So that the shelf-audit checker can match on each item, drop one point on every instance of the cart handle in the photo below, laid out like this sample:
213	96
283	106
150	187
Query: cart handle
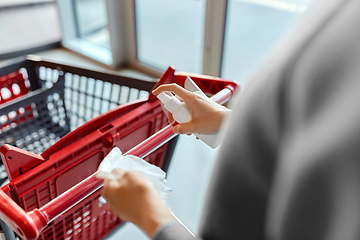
29	225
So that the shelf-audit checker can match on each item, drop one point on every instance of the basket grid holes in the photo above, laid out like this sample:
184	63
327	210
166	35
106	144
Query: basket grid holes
48	76
11	89
45	124
86	98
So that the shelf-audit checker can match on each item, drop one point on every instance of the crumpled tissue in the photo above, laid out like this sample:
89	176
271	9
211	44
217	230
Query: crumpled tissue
115	159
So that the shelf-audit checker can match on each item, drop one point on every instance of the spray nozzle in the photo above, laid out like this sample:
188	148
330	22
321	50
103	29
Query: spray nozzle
164	98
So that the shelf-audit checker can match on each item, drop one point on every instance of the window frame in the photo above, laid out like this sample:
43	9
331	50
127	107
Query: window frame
215	25
72	40
123	39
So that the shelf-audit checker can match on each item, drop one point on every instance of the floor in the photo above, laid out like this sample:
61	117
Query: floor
27	26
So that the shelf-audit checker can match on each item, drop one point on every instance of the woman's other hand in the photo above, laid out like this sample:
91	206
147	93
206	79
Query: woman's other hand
134	198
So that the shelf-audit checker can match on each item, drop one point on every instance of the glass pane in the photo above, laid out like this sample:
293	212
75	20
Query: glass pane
253	27
171	33
92	21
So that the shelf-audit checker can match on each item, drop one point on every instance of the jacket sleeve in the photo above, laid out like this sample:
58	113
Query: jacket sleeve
316	191
289	167
173	231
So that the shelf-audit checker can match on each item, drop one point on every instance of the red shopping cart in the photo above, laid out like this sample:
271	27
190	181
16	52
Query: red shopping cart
55	195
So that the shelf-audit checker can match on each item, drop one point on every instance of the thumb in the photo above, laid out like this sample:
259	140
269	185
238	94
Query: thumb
118	173
183	128
171	119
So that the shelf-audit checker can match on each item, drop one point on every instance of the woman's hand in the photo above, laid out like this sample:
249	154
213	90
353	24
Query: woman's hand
206	114
135	199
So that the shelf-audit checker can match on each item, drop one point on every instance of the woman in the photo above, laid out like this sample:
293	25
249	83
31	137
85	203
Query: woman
289	167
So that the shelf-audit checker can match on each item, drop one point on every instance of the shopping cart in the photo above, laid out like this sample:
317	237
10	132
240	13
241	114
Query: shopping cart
46	100
56	195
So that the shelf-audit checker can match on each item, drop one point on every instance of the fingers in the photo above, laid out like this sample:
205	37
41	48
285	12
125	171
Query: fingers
184	128
206	115
171	119
109	185
118	173
107	189
134	198
181	92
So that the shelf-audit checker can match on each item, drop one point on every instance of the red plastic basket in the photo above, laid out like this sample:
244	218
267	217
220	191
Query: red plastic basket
14	84
55	195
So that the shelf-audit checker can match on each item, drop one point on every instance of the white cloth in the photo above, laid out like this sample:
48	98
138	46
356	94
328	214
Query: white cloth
115	159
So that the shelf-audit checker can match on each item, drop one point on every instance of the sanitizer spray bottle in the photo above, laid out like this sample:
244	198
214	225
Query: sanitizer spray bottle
182	115
178	109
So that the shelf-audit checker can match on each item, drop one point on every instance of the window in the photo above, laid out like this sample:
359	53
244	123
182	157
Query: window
253	28
92	23
170	33
227	38
85	28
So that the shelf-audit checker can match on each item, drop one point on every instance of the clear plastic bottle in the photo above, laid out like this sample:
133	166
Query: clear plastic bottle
182	115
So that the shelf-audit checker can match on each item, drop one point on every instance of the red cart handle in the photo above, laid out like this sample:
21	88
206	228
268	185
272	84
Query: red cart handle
29	225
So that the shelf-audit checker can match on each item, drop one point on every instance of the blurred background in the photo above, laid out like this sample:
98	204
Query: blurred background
141	38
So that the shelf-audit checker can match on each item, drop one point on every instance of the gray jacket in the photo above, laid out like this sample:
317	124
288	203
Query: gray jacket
290	166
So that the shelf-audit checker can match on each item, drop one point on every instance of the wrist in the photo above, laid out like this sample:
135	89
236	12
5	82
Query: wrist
152	220
221	116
